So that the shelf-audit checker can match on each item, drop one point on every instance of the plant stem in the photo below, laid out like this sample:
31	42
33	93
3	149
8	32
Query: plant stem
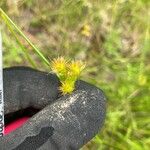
5	17
22	47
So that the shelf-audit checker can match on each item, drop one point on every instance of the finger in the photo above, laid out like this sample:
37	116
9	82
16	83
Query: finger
25	87
66	124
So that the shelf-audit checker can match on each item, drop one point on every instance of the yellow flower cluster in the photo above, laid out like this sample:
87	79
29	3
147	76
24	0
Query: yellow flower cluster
68	72
59	66
142	79
86	30
66	87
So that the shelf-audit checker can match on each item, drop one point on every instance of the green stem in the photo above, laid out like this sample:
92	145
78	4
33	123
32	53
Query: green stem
19	43
4	15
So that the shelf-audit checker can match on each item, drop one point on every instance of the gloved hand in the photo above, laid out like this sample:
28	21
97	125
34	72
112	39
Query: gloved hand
56	122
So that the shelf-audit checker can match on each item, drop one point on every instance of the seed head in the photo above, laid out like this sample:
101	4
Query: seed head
67	72
66	87
75	68
58	65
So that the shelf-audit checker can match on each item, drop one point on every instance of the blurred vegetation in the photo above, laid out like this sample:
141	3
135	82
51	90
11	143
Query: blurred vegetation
113	37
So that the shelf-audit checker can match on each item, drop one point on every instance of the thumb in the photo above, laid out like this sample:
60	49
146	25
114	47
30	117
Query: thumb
68	123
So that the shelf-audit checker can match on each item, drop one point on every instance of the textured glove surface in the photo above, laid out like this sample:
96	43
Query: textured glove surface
62	122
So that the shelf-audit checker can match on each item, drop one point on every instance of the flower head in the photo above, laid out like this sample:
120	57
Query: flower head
86	30
67	72
76	68
66	87
58	66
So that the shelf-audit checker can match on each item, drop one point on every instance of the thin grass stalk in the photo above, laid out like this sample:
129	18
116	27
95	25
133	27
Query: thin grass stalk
4	15
22	47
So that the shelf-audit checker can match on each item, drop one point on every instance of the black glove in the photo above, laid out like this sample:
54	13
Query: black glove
57	122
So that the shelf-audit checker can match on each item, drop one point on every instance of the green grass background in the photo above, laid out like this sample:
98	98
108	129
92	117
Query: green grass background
113	37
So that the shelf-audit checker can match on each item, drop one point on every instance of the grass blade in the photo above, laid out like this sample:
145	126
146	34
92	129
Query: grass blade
5	17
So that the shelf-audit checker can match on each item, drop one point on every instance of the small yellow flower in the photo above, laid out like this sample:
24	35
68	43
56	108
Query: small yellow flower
75	68
142	79
58	65
66	87
86	30
67	72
